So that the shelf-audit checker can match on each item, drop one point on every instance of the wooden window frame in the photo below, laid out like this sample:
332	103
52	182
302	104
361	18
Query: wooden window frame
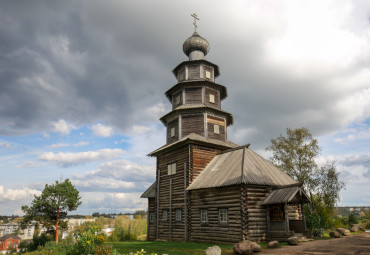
151	217
281	214
165	213
220	213
171	169
216	129
172	132
177	213
212	98
202	216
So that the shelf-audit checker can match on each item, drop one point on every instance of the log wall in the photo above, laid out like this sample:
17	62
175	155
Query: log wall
173	124
192	124
216	94
213	200
256	216
171	194
151	225
200	157
193	95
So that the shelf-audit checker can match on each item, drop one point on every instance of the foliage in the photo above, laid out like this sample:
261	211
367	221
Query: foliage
89	241
126	229
52	205
37	241
295	154
352	219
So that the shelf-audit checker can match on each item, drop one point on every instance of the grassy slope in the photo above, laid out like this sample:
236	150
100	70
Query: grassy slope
171	248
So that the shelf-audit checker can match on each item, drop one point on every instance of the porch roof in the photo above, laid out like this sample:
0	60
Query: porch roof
286	195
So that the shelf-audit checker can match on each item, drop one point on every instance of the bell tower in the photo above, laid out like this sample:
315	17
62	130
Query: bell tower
196	98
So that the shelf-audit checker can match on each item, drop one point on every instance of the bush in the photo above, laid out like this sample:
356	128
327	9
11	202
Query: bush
37	241
352	219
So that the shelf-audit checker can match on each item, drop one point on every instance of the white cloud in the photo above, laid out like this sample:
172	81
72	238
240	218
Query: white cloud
101	130
27	164
17	194
62	127
6	145
69	159
61	145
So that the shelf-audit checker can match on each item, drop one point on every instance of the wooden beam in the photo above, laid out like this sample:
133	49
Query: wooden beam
171	209
185	206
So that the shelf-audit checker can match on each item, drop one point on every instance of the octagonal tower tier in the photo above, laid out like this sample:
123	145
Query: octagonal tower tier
196	98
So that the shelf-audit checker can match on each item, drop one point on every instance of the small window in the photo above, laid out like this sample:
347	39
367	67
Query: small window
211	98
222	216
177	100
178	214
171	168
216	129
208	74
165	215
204	215
151	216
172	132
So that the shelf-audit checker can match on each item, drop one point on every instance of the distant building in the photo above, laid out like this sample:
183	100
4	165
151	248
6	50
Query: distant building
9	242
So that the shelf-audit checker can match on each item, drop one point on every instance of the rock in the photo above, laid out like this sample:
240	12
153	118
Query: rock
244	247
344	232
214	250
293	240
354	228
359	226
335	234
273	244
256	247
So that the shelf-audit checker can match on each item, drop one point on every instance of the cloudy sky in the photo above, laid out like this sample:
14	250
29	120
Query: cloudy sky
82	83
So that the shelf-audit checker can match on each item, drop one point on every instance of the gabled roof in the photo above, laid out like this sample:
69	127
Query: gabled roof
196	138
6	237
286	195
240	165
150	192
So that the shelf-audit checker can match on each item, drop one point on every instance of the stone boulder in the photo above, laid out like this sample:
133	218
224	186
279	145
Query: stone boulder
359	227
244	247
214	250
343	231
354	228
293	240
256	247
334	234
273	244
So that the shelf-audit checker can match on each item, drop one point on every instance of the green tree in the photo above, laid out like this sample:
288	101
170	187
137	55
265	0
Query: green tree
52	205
295	154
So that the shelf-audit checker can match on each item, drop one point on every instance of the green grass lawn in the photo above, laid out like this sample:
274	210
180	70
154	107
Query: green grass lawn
171	248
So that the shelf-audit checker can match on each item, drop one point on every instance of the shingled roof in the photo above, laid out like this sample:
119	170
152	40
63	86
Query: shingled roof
196	138
6	237
150	192
286	195
241	165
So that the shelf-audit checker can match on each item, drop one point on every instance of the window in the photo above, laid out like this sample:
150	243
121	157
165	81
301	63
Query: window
165	215
204	215
178	214
211	98
222	216
216	129
276	214
177	100
208	74
151	216
172	132
171	168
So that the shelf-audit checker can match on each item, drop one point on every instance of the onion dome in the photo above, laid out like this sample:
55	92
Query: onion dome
196	44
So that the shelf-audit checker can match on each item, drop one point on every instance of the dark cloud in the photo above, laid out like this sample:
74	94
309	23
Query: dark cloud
110	62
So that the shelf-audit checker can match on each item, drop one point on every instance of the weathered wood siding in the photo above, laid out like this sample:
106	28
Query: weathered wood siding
193	95
174	98
294	212
200	157
170	125
213	200
192	124
209	69
216	95
193	72
151	225
171	193
256	216
213	120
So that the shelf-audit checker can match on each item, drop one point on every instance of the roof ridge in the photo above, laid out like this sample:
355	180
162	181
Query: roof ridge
235	149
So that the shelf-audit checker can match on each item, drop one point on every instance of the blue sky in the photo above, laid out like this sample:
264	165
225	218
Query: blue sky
82	88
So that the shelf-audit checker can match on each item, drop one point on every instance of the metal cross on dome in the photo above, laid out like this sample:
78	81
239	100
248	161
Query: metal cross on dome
194	15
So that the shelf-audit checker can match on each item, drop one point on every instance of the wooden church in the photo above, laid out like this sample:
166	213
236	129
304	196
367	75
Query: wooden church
207	188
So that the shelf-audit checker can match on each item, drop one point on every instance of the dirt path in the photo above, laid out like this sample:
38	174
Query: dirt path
356	245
